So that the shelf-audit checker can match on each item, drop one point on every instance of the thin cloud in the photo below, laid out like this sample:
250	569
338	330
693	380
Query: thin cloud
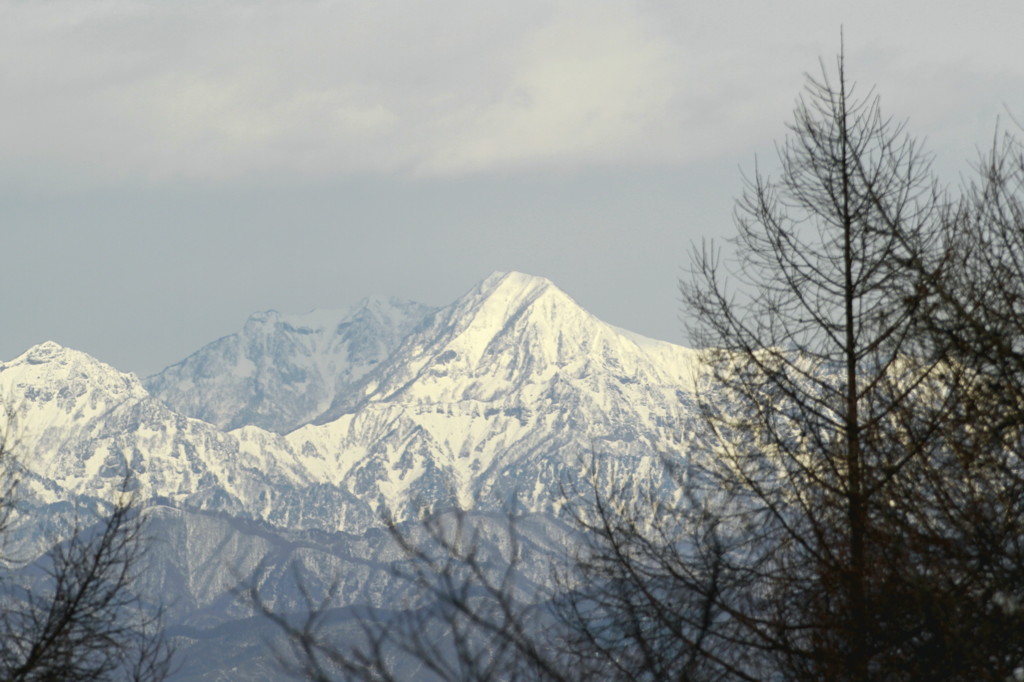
130	90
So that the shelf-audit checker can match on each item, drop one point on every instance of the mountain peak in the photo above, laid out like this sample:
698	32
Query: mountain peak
45	352
513	280
77	381
60	358
282	370
505	296
262	318
327	320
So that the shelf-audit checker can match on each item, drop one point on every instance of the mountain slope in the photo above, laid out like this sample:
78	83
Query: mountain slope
500	395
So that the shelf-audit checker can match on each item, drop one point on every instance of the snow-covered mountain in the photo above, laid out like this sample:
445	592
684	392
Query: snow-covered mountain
281	371
80	426
324	422
501	395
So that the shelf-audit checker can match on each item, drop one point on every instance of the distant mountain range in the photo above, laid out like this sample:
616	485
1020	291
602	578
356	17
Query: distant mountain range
288	441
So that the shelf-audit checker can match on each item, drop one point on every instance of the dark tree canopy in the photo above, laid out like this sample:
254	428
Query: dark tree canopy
832	405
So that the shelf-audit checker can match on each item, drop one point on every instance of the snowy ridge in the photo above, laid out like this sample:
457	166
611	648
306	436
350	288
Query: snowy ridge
281	371
501	395
80	425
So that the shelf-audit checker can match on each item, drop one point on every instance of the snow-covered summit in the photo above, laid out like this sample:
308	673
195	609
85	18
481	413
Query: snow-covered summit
58	359
501	300
504	387
281	370
512	282
316	320
77	383
510	331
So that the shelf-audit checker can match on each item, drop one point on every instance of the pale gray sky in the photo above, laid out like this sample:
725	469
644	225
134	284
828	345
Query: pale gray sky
166	168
